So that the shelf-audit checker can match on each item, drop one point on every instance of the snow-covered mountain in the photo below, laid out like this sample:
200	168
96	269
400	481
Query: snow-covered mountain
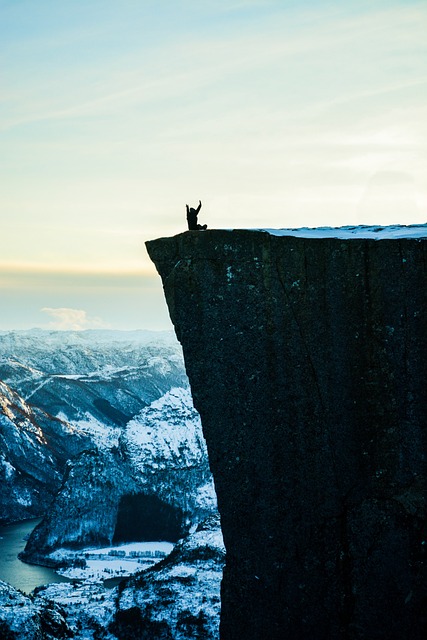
75	390
166	441
106	375
144	458
148	481
103	423
34	448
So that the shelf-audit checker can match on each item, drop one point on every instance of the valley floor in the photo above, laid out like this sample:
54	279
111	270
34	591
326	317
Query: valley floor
93	564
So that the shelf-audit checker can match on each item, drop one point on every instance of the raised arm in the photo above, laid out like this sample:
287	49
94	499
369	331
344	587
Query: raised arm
199	207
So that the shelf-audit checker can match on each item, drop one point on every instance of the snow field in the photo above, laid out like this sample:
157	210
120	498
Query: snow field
111	562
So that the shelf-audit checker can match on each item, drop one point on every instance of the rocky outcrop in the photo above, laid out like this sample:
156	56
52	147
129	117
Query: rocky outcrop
22	619
85	510
306	355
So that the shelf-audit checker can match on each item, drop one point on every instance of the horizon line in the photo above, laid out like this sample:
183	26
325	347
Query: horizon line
49	270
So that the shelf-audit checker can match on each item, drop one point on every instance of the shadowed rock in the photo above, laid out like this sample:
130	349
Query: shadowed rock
307	362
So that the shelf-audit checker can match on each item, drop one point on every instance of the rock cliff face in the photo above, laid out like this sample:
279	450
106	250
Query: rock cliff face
307	360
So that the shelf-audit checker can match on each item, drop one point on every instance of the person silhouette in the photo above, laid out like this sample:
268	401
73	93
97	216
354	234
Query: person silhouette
192	218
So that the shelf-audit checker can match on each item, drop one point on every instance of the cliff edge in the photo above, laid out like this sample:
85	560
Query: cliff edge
306	353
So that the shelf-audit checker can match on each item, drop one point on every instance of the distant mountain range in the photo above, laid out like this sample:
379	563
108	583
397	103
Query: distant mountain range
63	392
108	376
99	435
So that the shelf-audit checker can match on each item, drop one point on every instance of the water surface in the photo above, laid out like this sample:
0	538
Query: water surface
19	574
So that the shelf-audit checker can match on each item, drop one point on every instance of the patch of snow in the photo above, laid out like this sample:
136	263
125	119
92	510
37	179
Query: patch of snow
24	498
206	496
99	570
9	469
102	435
182	570
210	537
110	562
140	547
160	364
351	232
67	376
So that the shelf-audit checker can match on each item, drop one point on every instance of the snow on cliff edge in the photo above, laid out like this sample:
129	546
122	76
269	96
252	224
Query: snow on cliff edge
351	232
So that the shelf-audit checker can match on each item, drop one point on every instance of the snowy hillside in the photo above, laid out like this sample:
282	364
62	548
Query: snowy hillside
34	448
178	598
104	423
167	434
108	376
156	469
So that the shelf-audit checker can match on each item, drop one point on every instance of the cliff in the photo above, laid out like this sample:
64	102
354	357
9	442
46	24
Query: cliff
306	354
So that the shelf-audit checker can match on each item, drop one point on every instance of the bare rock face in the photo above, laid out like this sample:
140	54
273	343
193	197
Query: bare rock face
307	359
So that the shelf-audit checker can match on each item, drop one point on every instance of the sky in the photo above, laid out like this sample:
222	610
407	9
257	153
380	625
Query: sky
115	115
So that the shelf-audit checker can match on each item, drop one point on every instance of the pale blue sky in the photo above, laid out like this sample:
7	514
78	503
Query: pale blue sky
114	115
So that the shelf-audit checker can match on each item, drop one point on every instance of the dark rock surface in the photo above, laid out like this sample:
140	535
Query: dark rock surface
307	362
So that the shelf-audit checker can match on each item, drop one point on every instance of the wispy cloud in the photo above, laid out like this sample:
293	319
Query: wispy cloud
211	63
66	319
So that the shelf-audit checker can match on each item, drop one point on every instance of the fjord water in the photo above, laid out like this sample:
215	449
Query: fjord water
12	570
